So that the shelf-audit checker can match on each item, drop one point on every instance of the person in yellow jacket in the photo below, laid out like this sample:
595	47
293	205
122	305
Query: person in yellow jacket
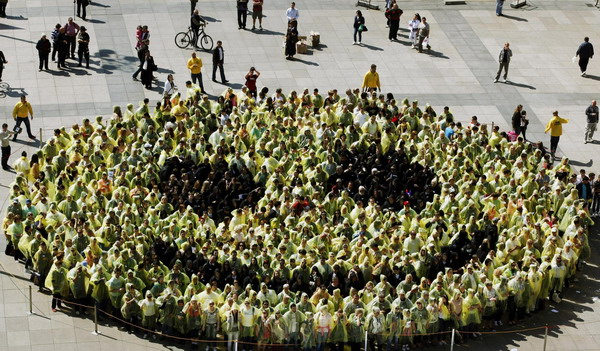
194	64
554	126
21	114
371	80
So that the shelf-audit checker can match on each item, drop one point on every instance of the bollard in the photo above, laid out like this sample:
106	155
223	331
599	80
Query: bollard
452	340
30	302
96	332
366	340
236	345
545	336
41	138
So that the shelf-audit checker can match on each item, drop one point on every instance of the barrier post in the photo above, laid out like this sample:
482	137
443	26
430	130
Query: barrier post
96	332
366	340
30	302
236	345
452	340
545	336
41	139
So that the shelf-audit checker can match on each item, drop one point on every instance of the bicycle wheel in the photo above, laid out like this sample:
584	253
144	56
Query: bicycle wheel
182	40
206	42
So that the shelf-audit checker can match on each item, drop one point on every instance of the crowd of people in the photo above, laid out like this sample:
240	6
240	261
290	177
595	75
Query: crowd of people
301	219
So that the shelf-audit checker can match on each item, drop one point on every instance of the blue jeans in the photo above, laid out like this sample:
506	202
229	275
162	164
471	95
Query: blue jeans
322	340
359	34
499	4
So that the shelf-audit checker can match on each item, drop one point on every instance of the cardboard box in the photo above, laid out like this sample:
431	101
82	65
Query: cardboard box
315	39
301	47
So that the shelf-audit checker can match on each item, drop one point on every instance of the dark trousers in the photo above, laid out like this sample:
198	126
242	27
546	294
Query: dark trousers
138	71
420	46
54	51
5	156
56	301
43	59
72	42
62	56
84	53
524	132
27	125
394	25
356	31
197	79
595	201
195	30
503	65
3	9
214	72
242	15
554	144
583	62
1	70
81	9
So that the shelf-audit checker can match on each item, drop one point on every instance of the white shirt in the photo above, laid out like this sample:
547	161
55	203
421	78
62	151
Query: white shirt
292	13
169	88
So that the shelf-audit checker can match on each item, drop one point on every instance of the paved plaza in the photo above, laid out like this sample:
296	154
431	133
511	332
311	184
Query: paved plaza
458	73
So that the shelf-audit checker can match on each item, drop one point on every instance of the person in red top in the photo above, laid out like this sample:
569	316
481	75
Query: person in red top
393	15
251	78
71	31
257	8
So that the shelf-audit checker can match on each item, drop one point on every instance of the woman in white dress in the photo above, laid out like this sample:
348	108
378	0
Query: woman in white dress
413	27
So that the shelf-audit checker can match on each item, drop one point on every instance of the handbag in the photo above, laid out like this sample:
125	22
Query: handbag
17	130
363	28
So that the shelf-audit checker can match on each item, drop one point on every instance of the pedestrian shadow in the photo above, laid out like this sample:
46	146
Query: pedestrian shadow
267	32
405	43
580	163
58	72
371	47
17	39
521	85
18	18
515	18
210	19
438	54
99	5
165	70
310	63
29	142
234	85
592	77
96	21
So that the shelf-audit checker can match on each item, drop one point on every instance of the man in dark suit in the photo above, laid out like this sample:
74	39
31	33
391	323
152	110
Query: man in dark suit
218	59
585	51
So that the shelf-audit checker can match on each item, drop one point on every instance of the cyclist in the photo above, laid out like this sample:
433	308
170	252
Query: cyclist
196	23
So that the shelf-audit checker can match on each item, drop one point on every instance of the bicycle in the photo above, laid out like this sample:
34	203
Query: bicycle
185	39
4	88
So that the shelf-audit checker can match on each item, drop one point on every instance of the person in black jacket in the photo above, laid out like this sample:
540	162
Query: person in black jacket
218	59
584	189
359	21
142	57
147	68
43	47
585	51
83	51
2	63
81	5
516	119
62	43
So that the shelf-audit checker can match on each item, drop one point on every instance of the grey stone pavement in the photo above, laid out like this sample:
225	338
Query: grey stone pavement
466	40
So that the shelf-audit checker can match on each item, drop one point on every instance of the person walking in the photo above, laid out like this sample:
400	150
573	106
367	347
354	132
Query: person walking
242	13
423	34
371	80
592	121
499	4
413	26
54	37
2	63
291	38
393	15
218	59
43	47
81	6
554	126
504	61
194	64
585	52
359	25
142	57
257	8
516	120
251	78
3	4
71	30
84	47
5	135
21	114
524	124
